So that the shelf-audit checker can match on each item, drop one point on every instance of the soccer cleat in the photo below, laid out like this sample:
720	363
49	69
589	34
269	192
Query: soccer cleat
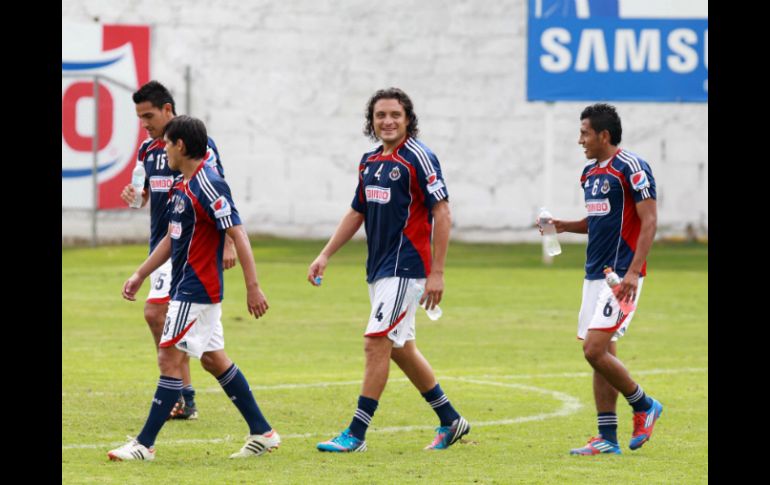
133	450
178	407
448	435
596	446
345	442
259	444
643	423
186	412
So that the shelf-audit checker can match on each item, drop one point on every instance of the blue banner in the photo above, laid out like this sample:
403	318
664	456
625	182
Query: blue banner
617	50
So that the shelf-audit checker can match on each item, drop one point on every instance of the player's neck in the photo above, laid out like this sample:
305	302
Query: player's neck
189	167
607	154
388	148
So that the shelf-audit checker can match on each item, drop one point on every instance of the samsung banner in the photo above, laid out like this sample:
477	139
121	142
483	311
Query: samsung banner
121	55
624	50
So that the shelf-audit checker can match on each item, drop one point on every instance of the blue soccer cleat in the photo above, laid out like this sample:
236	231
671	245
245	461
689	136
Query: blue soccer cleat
643	423
597	446
448	435
345	442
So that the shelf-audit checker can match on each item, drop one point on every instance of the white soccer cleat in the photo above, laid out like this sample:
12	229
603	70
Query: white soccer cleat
133	450
258	444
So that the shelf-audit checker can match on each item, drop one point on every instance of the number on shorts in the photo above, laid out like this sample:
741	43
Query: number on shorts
165	327
378	314
607	309
159	284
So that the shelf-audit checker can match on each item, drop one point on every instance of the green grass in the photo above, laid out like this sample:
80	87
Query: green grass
503	350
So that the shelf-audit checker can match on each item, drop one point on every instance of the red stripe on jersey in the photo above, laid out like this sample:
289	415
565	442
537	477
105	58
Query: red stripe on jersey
387	330
202	253
176	339
418	227
631	225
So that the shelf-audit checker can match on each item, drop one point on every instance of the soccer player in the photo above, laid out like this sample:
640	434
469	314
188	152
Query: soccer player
401	197
155	108
620	199
201	211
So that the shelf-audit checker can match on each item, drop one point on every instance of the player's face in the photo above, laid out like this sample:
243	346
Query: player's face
173	153
592	142
154	119
390	120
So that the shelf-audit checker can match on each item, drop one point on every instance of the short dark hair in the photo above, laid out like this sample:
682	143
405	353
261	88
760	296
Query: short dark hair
604	117
391	93
192	131
156	94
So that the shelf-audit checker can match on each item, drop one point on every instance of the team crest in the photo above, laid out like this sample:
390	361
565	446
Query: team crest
639	180
605	187
179	205
395	174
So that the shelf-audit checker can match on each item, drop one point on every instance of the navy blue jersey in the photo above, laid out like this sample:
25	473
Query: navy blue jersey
159	179
395	194
611	193
199	212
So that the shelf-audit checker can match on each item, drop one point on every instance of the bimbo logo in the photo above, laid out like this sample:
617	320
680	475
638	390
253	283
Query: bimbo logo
161	184
380	195
598	207
119	56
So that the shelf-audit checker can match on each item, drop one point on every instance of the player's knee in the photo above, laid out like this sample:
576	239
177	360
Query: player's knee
214	364
168	365
375	347
593	353
155	315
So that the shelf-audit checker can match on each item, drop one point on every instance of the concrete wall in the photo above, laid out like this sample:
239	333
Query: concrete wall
282	87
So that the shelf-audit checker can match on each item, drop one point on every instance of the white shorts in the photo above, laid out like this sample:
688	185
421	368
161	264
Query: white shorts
600	310
194	328
160	284
392	311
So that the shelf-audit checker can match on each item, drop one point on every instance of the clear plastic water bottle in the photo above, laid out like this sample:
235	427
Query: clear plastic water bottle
552	246
434	314
613	281
137	181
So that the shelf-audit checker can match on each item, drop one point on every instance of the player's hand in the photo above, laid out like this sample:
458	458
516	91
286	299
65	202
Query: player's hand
627	287
127	194
434	290
316	269
558	224
256	301
131	286
229	256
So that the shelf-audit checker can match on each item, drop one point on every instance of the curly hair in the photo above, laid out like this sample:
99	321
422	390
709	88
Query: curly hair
604	117
412	129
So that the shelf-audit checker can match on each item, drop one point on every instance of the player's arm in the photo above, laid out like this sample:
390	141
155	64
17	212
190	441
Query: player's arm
647	210
228	255
159	256
346	229
442	224
255	298
578	227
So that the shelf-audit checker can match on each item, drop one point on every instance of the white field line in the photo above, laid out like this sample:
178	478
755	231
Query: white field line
570	404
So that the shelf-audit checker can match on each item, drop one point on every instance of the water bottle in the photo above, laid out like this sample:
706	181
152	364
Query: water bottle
552	246
137	181
613	281
434	314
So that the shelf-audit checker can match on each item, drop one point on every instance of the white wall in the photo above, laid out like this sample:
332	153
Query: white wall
282	86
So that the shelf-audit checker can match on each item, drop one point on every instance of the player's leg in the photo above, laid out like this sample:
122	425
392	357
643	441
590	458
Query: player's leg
166	394
606	398
387	296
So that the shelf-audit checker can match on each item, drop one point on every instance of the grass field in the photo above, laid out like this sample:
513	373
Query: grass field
505	353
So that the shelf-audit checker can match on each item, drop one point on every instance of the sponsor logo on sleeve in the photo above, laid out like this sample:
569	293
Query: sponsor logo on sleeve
379	195
221	207
176	229
598	207
639	180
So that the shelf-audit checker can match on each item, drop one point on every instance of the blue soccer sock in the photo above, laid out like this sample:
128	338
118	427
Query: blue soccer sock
608	426
440	403
363	416
188	393
639	400
237	388
166	395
